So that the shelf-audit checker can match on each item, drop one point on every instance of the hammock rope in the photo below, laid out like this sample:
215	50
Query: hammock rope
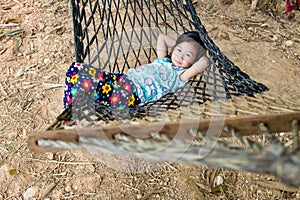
278	160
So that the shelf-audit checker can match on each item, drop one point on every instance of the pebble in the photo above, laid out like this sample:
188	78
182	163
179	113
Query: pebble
219	180
250	28
39	96
281	134
90	168
273	38
30	192
68	188
288	43
47	60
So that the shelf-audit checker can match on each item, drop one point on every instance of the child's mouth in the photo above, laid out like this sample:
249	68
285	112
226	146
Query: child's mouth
178	63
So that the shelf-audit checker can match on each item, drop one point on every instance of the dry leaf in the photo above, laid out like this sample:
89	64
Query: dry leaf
60	30
14	20
13	172
227	22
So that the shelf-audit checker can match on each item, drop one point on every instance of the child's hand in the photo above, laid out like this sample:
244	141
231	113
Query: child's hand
197	68
164	42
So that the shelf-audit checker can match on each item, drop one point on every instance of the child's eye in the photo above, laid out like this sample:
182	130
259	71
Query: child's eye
178	49
188	56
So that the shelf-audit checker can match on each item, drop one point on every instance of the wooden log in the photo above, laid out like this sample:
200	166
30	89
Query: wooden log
245	125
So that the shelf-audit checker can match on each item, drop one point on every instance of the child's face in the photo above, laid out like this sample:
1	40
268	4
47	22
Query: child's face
184	54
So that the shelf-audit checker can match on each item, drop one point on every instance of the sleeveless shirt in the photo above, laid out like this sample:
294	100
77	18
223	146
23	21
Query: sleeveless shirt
156	79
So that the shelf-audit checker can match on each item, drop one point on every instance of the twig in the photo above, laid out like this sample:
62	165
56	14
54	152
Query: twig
128	186
173	168
45	191
61	162
9	25
253	4
51	85
2	51
71	196
19	3
12	32
277	186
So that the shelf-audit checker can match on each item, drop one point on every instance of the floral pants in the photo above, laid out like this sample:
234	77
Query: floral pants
114	90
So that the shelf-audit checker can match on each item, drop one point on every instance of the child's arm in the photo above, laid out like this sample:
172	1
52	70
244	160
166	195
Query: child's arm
195	69
164	42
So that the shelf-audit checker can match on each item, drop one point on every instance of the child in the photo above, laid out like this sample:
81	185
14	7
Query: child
144	84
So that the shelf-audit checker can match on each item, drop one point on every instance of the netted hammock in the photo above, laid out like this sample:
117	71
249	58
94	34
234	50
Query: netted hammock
116	35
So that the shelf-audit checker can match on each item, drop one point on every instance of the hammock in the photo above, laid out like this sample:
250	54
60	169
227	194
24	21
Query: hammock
116	35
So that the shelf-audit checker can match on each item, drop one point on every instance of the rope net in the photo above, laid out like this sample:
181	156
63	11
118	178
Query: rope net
116	35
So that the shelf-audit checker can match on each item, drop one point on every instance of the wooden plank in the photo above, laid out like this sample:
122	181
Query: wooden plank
245	125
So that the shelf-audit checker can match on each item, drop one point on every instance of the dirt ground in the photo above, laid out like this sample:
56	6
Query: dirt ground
36	46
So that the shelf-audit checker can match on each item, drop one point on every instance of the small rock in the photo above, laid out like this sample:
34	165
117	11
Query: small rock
47	60
39	96
219	180
30	192
68	188
75	187
29	99
288	43
273	38
27	52
90	168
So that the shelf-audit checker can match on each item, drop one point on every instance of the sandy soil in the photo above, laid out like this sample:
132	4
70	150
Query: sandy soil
37	46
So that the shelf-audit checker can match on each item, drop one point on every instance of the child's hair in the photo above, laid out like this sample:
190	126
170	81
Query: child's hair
192	36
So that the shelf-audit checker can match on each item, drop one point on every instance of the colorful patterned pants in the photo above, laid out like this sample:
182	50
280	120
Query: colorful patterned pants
114	90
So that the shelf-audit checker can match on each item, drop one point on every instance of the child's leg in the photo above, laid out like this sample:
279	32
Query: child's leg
87	85
116	91
80	78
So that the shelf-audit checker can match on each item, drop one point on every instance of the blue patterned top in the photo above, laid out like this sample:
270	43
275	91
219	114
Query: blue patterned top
156	79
